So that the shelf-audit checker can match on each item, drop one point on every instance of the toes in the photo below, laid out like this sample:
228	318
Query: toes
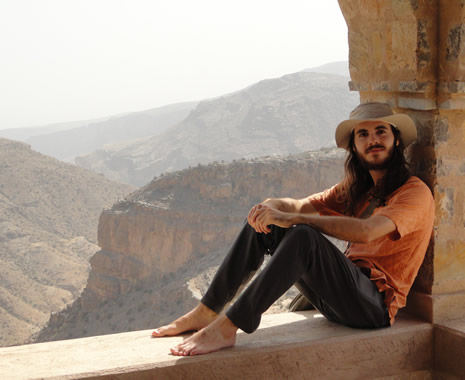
186	349
179	350
159	332
163	331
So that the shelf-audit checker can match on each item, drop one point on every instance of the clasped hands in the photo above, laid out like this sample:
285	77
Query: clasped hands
262	215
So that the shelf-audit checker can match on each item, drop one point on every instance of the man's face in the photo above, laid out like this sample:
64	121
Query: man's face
374	144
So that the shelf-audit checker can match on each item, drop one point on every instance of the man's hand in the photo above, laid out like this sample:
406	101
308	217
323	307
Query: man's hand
262	215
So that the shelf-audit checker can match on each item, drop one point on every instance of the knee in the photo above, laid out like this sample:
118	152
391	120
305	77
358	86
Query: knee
304	229
304	232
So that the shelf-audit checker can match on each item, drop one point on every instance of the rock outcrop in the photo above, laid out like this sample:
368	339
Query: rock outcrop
176	229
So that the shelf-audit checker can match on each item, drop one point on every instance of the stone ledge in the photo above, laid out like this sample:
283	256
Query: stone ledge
286	345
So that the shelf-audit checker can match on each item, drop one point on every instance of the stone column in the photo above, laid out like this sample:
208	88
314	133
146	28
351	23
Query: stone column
411	54
449	253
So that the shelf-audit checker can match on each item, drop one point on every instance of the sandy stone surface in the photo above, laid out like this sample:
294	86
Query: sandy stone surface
278	336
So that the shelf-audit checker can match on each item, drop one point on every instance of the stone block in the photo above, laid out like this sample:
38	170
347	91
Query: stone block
449	349
441	130
437	375
417	375
423	104
452	87
448	307
452	104
455	36
462	169
381	86
358	86
414	86
445	198
447	167
451	41
449	266
424	54
403	45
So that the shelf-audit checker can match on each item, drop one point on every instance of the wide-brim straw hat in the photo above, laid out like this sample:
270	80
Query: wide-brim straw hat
379	112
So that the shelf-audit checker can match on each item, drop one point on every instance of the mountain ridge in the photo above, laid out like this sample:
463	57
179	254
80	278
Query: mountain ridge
291	114
48	219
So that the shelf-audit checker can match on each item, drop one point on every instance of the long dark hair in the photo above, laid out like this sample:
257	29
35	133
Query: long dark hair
358	182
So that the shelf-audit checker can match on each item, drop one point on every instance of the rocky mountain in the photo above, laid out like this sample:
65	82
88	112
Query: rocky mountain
160	245
287	115
87	137
337	68
22	134
48	221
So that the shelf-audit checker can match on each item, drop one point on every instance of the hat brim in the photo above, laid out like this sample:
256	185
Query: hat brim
403	122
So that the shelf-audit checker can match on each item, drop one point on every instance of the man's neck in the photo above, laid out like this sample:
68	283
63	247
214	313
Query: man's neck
376	175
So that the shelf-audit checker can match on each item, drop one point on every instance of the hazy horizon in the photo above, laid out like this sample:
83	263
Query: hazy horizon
67	61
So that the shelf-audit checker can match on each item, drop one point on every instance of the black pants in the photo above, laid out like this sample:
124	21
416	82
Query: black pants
301	256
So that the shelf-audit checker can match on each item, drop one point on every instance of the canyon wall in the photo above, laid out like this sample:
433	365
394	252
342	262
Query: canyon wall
176	228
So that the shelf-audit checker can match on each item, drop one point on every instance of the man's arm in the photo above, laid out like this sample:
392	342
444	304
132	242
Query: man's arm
350	228
290	205
342	227
286	205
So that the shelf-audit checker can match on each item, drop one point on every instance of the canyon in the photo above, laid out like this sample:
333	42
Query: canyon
161	244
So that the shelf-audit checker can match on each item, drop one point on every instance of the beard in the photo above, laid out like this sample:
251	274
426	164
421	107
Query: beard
378	165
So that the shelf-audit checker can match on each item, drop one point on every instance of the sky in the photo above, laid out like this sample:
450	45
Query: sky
66	60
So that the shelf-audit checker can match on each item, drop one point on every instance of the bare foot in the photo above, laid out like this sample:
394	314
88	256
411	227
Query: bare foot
196	319
221	333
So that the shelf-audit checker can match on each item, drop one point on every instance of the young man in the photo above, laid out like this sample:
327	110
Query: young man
384	213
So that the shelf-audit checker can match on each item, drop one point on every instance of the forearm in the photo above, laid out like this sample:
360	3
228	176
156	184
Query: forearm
289	205
341	227
348	228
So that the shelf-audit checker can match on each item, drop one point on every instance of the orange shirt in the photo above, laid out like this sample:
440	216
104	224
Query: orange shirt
394	259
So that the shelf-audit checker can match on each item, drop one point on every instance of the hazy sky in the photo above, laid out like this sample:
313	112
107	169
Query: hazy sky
64	60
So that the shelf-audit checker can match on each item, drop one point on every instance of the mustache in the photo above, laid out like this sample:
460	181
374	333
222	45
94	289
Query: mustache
374	147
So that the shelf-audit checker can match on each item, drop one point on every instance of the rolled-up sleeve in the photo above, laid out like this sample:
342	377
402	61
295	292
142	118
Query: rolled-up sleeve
328	202
407	208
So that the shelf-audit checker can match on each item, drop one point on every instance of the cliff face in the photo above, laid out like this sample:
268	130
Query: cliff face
173	230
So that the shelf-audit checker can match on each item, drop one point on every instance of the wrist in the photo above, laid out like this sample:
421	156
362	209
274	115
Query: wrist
303	219
292	218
